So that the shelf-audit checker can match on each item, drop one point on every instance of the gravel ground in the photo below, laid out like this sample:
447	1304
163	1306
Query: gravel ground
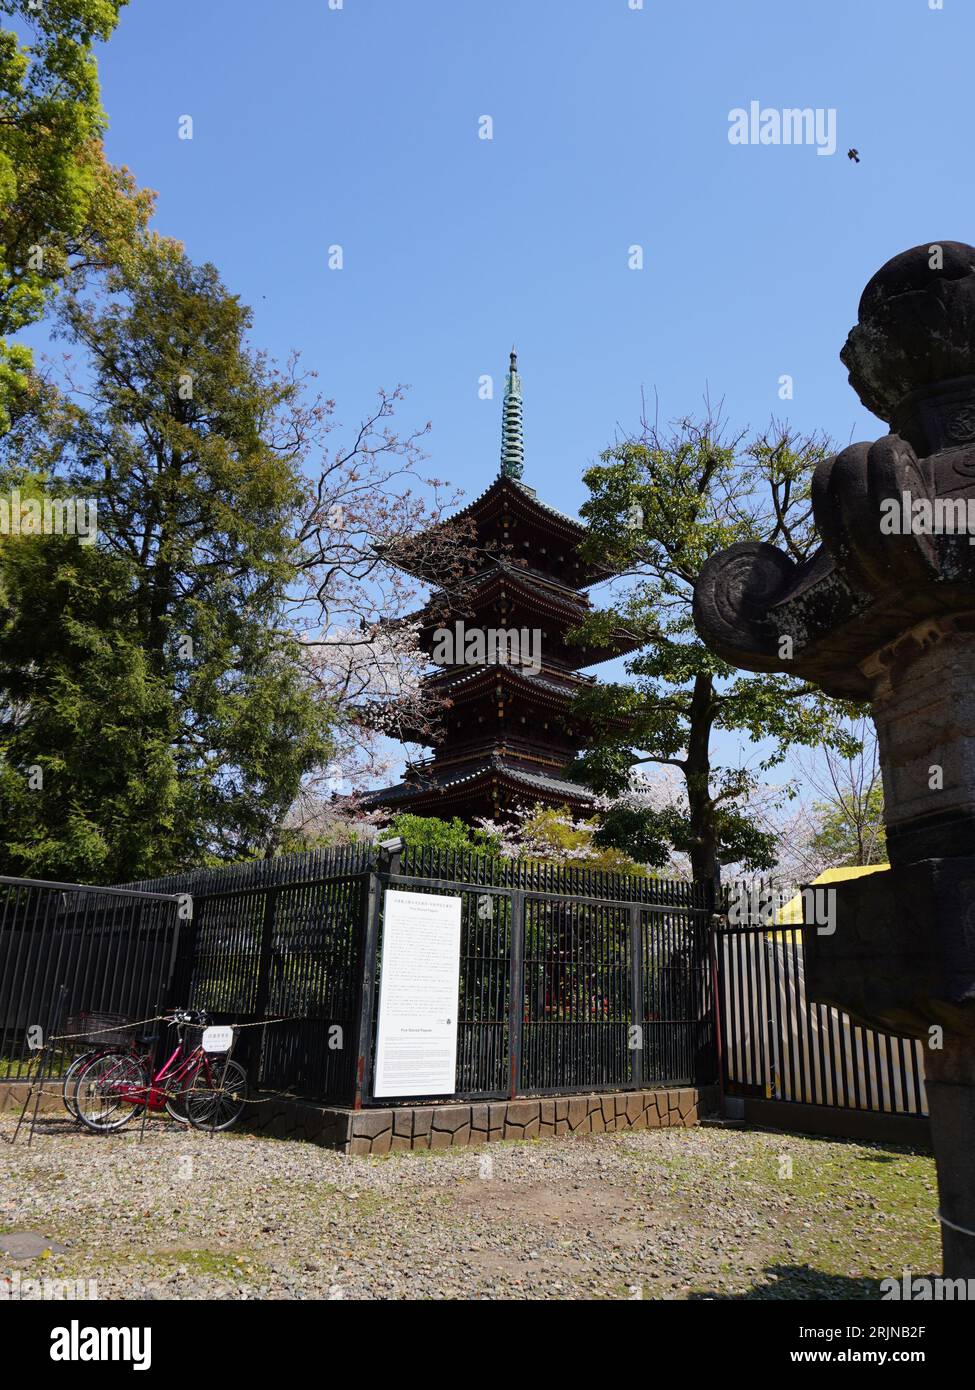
657	1214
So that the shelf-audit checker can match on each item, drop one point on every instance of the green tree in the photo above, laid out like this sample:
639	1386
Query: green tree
848	836
87	785
660	504
537	835
192	446
552	835
432	832
61	205
845	823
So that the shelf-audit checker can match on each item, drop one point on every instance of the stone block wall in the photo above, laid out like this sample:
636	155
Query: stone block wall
456	1124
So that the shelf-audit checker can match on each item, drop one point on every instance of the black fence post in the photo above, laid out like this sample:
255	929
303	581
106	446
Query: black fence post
263	992
516	992
717	1018
179	971
637	1008
716	901
363	1077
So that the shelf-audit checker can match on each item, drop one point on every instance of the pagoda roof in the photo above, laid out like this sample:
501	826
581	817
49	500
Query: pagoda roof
526	499
524	502
464	684
548	683
552	689
494	770
536	590
532	583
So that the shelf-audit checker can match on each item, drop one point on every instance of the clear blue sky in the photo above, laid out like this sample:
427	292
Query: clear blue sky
358	126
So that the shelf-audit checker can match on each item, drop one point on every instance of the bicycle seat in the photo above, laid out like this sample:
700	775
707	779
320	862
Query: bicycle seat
145	1040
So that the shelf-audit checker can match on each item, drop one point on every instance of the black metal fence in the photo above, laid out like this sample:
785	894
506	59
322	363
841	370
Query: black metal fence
67	949
282	939
778	1045
569	979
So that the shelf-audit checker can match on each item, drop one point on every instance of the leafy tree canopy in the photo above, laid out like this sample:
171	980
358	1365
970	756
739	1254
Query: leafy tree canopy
431	832
660	504
61	206
87	775
190	444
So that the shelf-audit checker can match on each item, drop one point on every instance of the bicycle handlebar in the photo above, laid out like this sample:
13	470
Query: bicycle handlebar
190	1016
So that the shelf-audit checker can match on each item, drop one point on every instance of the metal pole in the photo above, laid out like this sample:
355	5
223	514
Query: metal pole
716	994
267	940
637	1007
362	1082
516	991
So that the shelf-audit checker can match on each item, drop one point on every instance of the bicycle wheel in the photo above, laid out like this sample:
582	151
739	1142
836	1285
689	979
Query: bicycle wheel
71	1080
111	1091
217	1096
176	1106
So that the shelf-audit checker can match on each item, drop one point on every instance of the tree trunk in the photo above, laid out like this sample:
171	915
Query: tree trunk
697	773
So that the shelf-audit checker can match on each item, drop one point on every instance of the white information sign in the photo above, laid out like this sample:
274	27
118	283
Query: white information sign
416	1047
218	1039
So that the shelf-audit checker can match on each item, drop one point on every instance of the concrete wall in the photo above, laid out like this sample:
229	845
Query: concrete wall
838	1122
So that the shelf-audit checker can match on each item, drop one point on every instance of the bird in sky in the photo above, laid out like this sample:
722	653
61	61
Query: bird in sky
854	155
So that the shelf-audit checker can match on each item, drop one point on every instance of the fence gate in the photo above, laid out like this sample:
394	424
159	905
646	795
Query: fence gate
66	949
778	1046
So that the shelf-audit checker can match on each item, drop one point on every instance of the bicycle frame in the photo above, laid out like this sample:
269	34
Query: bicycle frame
161	1087
167	1081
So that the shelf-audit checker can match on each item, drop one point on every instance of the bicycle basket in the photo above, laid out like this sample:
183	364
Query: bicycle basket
101	1029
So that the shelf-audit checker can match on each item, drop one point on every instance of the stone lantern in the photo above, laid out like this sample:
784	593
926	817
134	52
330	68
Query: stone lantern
884	612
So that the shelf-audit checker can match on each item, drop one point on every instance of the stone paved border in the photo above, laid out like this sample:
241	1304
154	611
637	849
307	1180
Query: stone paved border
456	1124
14	1093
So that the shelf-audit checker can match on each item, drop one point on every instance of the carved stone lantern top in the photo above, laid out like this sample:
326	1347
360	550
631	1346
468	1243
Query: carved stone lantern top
892	515
911	356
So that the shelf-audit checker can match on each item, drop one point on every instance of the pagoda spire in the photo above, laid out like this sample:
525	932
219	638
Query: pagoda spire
512	430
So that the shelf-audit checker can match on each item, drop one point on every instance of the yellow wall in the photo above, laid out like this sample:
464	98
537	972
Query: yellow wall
792	910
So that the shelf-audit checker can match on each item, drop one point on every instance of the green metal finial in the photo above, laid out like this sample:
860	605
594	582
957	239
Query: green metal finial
512	431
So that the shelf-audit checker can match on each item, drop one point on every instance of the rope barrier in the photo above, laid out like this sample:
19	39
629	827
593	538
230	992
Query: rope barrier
117	1028
162	1018
54	1087
962	1230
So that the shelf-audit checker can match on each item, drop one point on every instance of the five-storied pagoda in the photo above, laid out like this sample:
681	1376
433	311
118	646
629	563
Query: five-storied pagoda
506	733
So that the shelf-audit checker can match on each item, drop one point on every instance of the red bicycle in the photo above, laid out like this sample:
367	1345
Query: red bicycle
209	1090
105	1033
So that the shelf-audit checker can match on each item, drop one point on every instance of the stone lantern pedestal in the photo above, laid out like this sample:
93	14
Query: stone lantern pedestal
884	612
